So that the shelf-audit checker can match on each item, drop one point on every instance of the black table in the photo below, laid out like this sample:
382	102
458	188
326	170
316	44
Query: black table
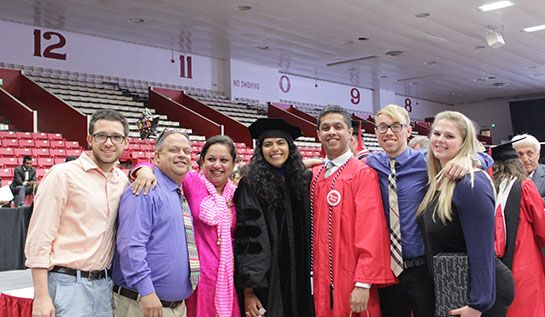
13	229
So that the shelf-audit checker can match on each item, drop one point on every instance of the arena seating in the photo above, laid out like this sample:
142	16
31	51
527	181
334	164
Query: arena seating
89	92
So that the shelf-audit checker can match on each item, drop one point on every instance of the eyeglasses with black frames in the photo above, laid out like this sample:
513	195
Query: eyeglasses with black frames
396	127
102	138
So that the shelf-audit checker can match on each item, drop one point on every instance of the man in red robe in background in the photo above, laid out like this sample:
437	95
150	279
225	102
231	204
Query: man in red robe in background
520	231
351	244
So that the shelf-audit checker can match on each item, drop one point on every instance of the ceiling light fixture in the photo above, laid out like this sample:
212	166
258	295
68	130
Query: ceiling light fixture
500	85
351	60
422	15
135	20
419	77
495	6
534	28
394	53
243	8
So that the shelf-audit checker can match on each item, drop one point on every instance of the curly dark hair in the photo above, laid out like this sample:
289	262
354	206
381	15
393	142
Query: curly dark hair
507	169
266	182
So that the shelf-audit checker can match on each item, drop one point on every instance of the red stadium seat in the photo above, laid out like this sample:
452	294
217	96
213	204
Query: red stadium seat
140	156
39	136
72	145
59	160
125	156
134	147
22	152
42	143
58	153
45	162
73	152
54	136
40	172
7	152
24	135
6	173
59	144
7	135
8	162
27	143
10	142
40	153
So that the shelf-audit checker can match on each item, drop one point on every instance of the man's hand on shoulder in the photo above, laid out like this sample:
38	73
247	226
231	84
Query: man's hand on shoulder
359	299
145	179
151	305
458	168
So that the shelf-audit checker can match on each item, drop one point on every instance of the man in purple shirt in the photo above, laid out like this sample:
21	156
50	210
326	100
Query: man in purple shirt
151	269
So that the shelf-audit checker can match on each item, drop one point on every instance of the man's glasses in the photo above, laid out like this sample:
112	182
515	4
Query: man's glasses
396	127
102	138
167	131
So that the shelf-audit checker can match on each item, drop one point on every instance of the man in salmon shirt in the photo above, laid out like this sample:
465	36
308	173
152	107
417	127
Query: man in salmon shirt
71	237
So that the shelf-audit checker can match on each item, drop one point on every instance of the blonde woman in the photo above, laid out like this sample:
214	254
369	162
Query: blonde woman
458	216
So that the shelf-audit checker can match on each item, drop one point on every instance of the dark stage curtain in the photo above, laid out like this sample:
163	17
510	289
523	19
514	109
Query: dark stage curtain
13	229
528	116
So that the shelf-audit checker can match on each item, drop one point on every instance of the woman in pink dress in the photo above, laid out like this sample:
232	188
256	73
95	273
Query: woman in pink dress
210	196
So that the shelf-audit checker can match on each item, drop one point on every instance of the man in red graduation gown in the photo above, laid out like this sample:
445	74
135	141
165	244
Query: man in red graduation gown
520	232
351	245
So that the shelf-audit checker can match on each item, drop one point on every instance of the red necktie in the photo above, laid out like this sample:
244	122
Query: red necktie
499	239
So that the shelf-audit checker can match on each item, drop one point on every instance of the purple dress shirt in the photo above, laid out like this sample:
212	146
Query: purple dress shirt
151	253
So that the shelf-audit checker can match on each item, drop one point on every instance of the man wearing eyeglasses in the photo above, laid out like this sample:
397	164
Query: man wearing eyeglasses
403	179
71	236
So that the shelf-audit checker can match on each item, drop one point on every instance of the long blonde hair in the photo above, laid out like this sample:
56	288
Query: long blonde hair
435	172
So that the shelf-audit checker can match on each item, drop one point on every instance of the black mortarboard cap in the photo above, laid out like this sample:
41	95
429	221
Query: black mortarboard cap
356	126
504	152
273	128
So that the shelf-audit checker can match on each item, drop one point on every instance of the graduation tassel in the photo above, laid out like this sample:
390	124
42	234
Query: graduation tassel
331	295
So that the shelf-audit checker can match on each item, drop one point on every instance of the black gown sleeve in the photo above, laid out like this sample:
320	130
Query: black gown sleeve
252	246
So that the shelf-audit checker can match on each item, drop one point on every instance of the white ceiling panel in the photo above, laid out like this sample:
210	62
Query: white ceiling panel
304	36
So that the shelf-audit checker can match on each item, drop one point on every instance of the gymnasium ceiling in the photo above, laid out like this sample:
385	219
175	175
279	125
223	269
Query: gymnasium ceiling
445	55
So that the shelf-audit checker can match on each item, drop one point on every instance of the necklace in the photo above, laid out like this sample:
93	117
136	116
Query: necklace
331	287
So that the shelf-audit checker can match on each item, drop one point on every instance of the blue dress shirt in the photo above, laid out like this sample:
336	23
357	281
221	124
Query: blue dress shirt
412	182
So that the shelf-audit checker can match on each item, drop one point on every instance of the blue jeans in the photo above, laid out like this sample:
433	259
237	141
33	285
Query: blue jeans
73	296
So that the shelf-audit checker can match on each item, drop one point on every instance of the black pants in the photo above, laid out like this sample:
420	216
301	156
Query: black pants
413	293
505	291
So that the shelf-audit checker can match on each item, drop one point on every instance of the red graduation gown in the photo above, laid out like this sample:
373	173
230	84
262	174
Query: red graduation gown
528	260
360	239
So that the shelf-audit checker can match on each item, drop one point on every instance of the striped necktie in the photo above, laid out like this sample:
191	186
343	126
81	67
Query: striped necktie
192	254
329	169
396	258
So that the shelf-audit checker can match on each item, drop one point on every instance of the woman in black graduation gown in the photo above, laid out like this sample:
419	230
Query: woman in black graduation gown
272	256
